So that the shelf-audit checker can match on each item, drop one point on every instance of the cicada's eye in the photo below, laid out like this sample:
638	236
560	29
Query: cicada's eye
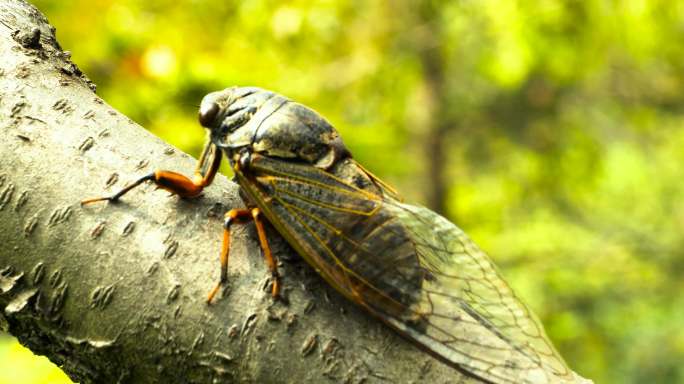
207	113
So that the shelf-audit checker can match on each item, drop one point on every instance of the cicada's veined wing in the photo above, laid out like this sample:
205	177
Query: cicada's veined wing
471	313
408	266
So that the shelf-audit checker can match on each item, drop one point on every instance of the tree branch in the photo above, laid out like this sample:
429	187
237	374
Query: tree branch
116	292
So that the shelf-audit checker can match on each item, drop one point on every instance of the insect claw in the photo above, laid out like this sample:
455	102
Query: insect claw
275	289
116	196
96	199
213	293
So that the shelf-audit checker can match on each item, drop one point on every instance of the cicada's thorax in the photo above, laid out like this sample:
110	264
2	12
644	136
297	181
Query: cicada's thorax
265	135
269	124
274	126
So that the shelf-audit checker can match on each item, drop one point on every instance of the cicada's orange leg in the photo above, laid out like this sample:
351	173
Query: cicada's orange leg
270	261
240	216
174	182
232	216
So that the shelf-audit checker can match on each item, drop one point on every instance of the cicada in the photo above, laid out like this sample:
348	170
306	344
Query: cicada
404	264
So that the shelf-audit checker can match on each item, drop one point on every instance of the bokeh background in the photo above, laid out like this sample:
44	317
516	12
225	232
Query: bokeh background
551	131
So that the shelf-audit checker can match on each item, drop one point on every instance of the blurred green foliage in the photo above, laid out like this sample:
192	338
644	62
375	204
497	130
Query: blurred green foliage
19	365
564	140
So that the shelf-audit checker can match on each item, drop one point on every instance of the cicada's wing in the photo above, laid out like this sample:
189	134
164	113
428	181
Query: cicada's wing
410	267
472	316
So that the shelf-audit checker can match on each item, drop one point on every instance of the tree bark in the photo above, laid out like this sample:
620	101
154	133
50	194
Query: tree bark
116	292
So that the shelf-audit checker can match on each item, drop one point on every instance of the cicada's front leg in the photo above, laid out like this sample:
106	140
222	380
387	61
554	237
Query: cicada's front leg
242	216
174	182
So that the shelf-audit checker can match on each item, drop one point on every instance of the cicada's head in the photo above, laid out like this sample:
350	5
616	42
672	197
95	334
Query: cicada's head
224	112
269	124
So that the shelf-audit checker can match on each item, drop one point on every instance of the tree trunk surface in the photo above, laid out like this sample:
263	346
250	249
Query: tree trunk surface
116	292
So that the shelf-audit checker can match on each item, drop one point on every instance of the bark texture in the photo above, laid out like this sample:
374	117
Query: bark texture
115	292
